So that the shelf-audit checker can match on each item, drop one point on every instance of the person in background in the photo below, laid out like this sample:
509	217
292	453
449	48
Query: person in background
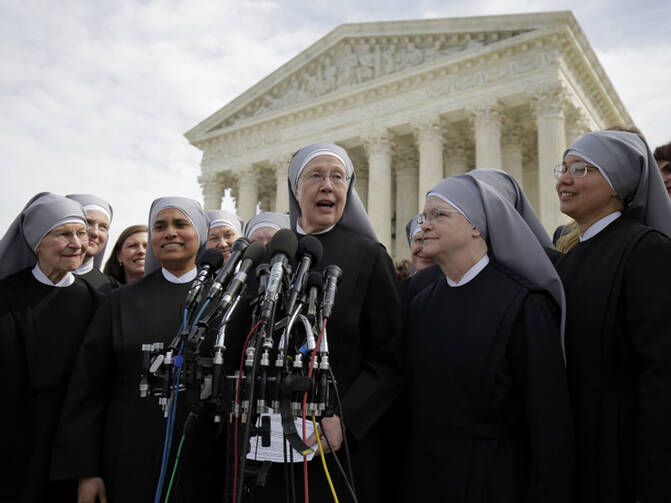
403	269
225	228
263	226
99	217
662	156
618	321
126	262
44	312
413	232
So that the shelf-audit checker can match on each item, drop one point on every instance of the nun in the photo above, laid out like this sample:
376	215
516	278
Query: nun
99	217
109	438
490	418
618	325
44	312
225	228
262	227
413	232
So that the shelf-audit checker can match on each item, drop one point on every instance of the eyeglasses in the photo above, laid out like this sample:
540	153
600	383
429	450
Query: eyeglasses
435	215
338	180
577	170
66	237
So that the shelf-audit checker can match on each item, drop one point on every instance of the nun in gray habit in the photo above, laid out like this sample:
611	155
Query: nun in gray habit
363	330
490	419
44	313
109	437
91	270
618	325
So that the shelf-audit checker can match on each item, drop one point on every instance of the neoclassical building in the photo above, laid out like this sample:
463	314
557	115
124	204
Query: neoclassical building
413	102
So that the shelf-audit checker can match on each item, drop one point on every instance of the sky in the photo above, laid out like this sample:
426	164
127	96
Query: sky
95	96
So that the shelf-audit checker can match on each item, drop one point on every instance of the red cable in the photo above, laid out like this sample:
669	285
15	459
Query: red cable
237	402
305	399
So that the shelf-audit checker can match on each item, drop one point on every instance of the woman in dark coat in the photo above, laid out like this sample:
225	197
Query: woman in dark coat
44	313
488	402
618	325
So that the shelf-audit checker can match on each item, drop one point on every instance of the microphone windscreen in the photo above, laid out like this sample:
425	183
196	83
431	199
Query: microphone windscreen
213	258
315	279
310	245
284	241
240	244
256	252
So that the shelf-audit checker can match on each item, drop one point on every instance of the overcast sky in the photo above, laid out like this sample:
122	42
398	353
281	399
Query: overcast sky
95	96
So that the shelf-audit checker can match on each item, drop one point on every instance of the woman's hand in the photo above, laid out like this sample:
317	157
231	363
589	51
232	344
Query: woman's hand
91	490
333	433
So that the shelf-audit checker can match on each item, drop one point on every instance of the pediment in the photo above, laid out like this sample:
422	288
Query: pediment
354	55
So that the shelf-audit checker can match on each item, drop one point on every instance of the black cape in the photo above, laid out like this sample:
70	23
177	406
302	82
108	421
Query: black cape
618	348
106	429
41	328
100	282
489	407
364	343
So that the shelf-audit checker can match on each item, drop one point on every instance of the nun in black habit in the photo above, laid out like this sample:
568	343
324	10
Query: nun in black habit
44	313
99	217
489	409
110	438
618	324
364	328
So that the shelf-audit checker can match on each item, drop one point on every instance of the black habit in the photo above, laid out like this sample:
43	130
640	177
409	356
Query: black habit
41	328
100	282
489	408
107	430
618	347
364	343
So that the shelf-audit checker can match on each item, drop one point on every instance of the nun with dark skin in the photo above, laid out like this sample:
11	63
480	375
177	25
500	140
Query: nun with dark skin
363	331
490	418
618	320
44	312
110	439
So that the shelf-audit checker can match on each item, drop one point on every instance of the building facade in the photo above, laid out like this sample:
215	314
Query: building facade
413	102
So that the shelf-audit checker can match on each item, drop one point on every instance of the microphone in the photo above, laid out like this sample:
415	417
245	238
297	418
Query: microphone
251	258
210	262
238	248
315	285
332	278
311	251
282	249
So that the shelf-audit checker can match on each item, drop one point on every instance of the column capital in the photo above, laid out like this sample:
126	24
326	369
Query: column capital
280	162
549	100
485	114
427	129
577	124
378	142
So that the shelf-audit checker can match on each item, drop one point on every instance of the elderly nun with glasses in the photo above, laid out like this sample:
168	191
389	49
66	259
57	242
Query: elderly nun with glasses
618	324
490	419
44	312
363	330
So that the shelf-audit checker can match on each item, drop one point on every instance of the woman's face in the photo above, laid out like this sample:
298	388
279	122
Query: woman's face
665	171
222	238
446	231
322	193
98	230
262	234
173	239
585	199
62	249
417	258
132	254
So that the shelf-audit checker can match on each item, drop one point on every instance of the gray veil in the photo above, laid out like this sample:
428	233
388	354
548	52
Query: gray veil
270	219
509	238
628	164
192	210
225	217
411	228
354	216
87	200
41	214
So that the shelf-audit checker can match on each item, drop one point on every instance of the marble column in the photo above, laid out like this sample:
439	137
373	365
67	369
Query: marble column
548	105
378	147
406	205
429	140
247	194
487	131
360	162
456	156
280	165
213	191
511	153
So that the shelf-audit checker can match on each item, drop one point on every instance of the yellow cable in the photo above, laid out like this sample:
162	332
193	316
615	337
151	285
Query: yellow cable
321	453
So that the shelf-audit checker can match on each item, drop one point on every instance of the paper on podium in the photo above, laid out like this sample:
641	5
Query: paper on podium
275	452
